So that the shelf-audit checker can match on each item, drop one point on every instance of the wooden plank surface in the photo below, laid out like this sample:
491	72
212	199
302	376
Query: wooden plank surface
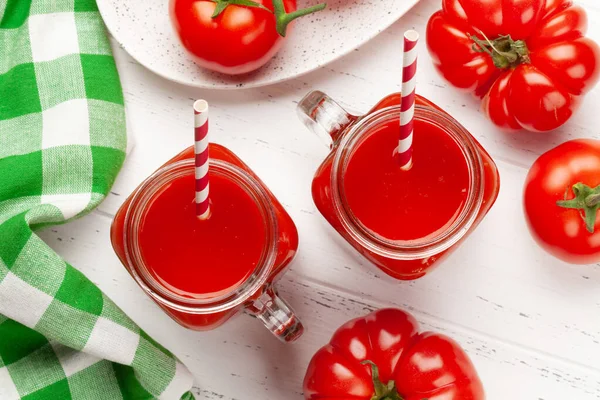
530	323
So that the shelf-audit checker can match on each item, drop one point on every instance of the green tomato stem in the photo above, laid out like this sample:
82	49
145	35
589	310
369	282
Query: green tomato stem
586	199
283	18
505	52
221	5
382	391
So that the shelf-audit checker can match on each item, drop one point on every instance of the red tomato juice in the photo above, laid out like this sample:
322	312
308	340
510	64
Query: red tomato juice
202	258
407	205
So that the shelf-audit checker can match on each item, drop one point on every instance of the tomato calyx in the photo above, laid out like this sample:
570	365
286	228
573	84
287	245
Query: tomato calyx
221	5
282	18
505	52
382	391
586	199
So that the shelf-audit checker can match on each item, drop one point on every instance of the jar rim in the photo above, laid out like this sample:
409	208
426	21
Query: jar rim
140	272
408	249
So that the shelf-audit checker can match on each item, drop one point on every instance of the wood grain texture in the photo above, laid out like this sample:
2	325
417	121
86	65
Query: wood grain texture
530	323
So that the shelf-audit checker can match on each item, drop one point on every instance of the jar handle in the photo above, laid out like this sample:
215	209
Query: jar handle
277	316
323	116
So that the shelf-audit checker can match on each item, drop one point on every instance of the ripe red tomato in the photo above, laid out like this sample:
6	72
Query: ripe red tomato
382	356
561	200
241	38
528	59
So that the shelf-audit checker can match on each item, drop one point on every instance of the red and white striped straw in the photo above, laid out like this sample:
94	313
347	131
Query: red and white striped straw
201	153
407	108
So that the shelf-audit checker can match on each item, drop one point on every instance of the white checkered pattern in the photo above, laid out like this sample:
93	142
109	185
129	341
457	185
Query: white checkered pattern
8	391
66	124
53	36
21	301
111	338
182	380
69	204
72	360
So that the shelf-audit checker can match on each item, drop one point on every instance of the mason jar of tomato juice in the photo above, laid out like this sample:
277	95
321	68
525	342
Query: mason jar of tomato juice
202	272
403	221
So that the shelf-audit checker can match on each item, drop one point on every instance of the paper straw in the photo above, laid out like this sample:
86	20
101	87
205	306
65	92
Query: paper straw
407	107
201	156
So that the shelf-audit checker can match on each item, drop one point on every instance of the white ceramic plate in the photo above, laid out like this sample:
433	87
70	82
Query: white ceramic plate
144	30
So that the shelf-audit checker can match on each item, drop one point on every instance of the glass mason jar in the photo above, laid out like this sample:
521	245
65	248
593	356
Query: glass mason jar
401	259
257	294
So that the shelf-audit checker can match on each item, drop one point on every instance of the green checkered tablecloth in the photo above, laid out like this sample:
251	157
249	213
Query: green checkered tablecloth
62	143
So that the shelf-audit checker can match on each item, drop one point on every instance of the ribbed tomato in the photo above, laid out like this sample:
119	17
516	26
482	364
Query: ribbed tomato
528	59
382	356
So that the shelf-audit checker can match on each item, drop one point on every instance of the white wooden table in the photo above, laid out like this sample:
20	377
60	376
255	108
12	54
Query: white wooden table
530	323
